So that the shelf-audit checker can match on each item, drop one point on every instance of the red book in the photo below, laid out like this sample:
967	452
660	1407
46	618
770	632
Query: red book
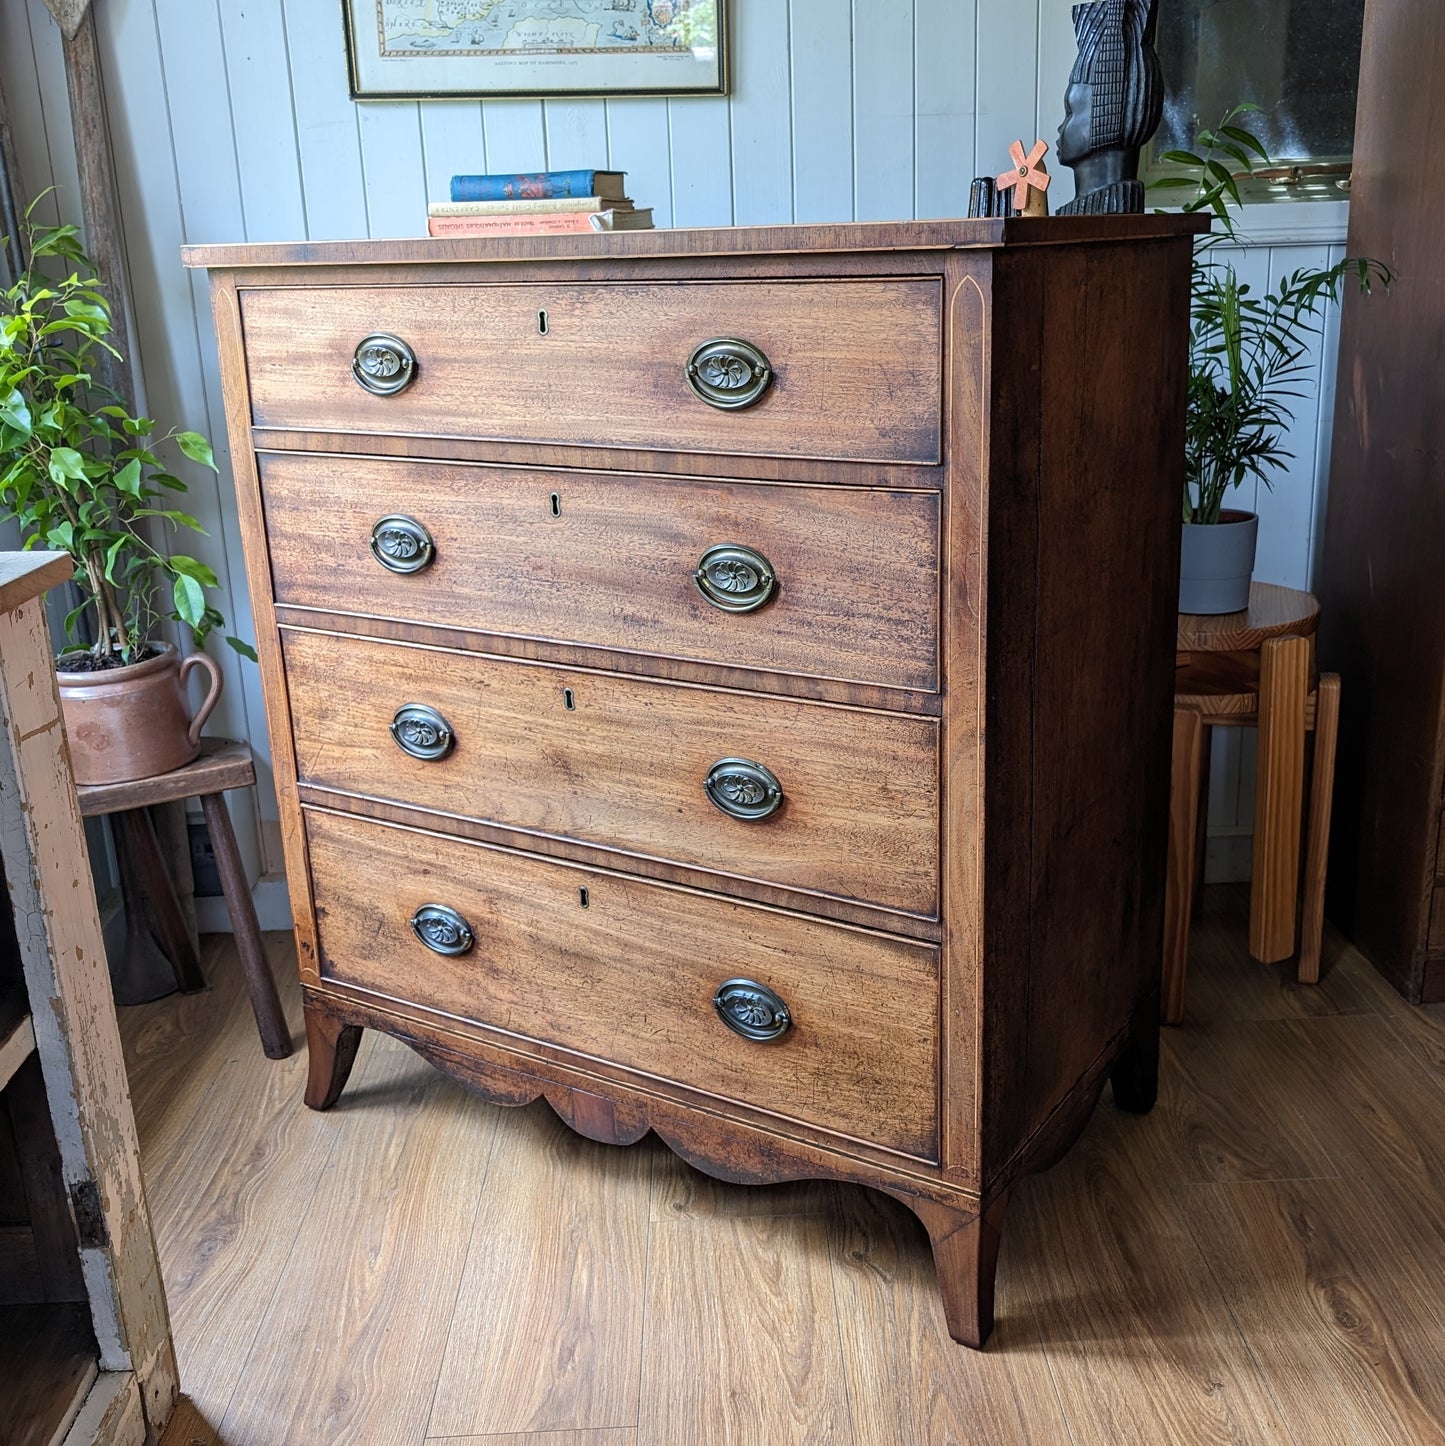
540	224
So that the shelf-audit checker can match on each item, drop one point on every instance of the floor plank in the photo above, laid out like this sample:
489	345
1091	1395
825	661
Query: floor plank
908	1382
1139	1337
612	1436
349	1349
679	1191
508	1366
1331	1308
742	1335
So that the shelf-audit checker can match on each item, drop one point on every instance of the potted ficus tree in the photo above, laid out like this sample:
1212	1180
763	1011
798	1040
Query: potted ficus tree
83	476
1248	360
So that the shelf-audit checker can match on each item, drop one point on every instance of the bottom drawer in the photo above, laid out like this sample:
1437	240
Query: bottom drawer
626	971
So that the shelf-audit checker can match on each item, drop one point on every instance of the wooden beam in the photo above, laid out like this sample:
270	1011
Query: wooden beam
69	14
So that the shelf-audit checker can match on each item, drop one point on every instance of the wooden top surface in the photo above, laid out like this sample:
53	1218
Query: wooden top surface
705	241
223	764
1273	612
24	575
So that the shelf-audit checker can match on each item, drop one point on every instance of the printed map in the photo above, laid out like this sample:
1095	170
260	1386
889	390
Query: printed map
542	27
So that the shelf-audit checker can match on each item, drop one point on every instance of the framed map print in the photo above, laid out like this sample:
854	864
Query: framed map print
415	49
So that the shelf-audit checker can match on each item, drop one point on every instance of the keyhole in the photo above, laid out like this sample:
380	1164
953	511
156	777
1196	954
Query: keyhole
584	898
556	504
542	322
569	700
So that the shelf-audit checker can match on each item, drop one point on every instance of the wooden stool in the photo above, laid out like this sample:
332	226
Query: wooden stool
1253	668
222	765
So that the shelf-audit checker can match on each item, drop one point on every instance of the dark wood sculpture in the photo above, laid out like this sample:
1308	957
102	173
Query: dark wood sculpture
1113	106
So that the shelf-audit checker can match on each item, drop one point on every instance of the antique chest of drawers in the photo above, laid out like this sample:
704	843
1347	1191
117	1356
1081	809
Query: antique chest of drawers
720	680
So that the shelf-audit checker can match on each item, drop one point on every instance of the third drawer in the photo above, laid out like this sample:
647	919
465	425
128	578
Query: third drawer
625	763
609	561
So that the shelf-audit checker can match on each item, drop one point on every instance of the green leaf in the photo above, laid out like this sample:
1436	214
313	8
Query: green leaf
14	413
111	554
190	600
128	478
196	448
1183	158
244	648
190	567
66	462
60	537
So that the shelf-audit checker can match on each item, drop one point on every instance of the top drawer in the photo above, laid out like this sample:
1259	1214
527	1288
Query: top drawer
854	368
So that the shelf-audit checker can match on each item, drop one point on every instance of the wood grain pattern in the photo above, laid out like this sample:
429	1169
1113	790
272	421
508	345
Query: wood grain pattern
1273	612
624	979
507	1367
615	568
700	241
556	751
223	764
1387	642
909	1383
369	1296
1183	839
786	1385
1317	842
616	353
1284	687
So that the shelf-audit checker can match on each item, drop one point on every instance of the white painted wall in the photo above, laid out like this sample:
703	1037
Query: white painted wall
230	121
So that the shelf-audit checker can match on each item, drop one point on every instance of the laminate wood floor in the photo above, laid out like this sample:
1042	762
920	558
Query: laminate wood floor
1261	1259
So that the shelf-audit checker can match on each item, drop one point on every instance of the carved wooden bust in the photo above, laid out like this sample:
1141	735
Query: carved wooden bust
1112	107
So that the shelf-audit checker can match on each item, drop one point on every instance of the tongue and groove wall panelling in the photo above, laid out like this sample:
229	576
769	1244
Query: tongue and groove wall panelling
232	121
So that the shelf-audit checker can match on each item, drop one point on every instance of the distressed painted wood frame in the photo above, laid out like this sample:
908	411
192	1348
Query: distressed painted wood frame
451	55
58	930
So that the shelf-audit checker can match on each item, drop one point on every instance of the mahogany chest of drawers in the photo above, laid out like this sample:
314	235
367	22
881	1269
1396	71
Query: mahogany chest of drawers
720	680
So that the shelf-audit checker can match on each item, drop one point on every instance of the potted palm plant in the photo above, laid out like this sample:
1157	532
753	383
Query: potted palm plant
83	476
1247	364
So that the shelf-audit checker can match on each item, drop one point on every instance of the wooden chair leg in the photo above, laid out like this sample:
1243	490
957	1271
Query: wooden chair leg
1284	683
138	837
1322	789
1201	835
260	984
1179	878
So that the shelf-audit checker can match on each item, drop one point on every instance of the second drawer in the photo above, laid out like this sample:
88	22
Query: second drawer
609	561
623	763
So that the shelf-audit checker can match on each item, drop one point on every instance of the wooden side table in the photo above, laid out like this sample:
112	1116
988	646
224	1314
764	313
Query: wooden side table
1255	667
223	765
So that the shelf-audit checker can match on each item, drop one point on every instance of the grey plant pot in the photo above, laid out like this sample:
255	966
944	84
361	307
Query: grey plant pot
1217	562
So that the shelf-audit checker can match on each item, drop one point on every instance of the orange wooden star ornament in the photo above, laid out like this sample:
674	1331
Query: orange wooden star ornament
1028	175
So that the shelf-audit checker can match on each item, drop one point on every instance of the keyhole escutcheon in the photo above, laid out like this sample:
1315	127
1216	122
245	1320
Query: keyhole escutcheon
569	700
556	504
542	323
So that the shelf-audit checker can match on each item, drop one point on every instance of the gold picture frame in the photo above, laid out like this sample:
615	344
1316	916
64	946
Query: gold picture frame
442	49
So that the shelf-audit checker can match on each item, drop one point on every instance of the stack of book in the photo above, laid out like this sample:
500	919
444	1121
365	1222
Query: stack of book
550	202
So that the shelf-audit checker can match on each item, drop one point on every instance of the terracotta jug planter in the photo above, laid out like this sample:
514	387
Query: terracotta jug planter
134	722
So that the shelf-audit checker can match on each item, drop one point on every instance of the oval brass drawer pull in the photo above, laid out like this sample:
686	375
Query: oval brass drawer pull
442	930
752	1010
743	789
728	373
402	544
383	364
735	579
422	732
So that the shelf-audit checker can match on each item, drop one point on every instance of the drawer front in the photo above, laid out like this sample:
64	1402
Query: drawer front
855	367
622	763
631	977
610	561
